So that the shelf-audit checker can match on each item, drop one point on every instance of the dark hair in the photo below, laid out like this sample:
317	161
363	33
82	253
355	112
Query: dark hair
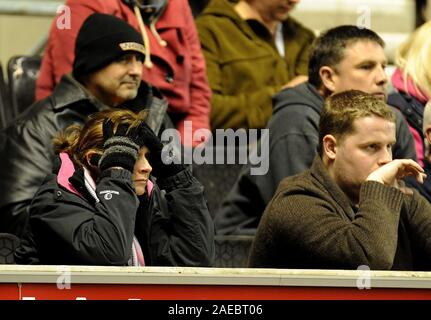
342	109
328	48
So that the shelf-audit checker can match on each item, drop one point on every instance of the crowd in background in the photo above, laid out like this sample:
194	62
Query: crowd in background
228	64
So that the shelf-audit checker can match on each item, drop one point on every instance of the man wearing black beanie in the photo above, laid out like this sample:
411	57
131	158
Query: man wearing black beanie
106	73
102	40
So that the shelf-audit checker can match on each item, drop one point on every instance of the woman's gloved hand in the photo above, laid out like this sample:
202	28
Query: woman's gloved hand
161	160
121	148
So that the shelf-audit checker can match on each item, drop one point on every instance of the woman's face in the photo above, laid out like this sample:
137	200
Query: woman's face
141	172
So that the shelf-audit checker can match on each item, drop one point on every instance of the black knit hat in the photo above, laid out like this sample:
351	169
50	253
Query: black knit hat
102	39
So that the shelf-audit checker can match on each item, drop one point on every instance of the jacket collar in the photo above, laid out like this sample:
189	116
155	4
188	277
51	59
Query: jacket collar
71	176
146	95
320	173
408	86
225	8
77	179
70	91
304	94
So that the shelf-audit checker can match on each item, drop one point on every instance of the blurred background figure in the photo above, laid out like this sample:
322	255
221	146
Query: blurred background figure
423	12
425	188
412	82
198	6
252	48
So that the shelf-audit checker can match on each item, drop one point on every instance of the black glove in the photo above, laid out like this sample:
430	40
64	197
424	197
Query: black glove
161	160
122	148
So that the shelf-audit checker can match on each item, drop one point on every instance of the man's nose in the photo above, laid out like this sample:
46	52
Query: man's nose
135	66
385	157
381	77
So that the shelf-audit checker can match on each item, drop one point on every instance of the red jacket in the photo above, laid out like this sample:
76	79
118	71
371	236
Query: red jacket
187	90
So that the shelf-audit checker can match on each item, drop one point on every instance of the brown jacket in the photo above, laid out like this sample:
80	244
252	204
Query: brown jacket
243	65
310	223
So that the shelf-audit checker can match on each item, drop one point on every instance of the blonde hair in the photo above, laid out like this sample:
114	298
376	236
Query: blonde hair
77	140
414	59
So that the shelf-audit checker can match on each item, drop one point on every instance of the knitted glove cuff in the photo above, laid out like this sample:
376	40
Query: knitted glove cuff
182	179
117	174
168	170
120	141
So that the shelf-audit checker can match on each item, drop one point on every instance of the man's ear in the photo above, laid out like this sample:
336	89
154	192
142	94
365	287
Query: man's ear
329	145
92	159
327	75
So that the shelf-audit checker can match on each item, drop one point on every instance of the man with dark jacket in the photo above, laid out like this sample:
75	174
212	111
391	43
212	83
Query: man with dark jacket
106	73
343	58
174	63
350	210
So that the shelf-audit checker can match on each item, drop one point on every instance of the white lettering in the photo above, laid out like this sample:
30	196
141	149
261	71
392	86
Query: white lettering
226	147
364	279
64	18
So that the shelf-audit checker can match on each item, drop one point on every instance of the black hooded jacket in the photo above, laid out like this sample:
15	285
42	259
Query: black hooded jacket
293	141
70	226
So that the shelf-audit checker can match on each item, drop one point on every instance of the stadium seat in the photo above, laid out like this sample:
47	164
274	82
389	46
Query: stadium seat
22	75
8	245
217	180
220	173
232	251
3	101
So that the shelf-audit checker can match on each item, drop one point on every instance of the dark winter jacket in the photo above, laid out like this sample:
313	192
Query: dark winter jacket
70	226
413	111
425	187
293	141
410	99
26	149
311	224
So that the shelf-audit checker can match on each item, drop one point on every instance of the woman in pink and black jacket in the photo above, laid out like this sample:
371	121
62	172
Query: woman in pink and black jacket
101	207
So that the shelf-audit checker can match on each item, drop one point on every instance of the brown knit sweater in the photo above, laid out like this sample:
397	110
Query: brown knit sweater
310	223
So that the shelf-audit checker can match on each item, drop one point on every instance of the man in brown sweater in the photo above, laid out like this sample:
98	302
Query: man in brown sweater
350	208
